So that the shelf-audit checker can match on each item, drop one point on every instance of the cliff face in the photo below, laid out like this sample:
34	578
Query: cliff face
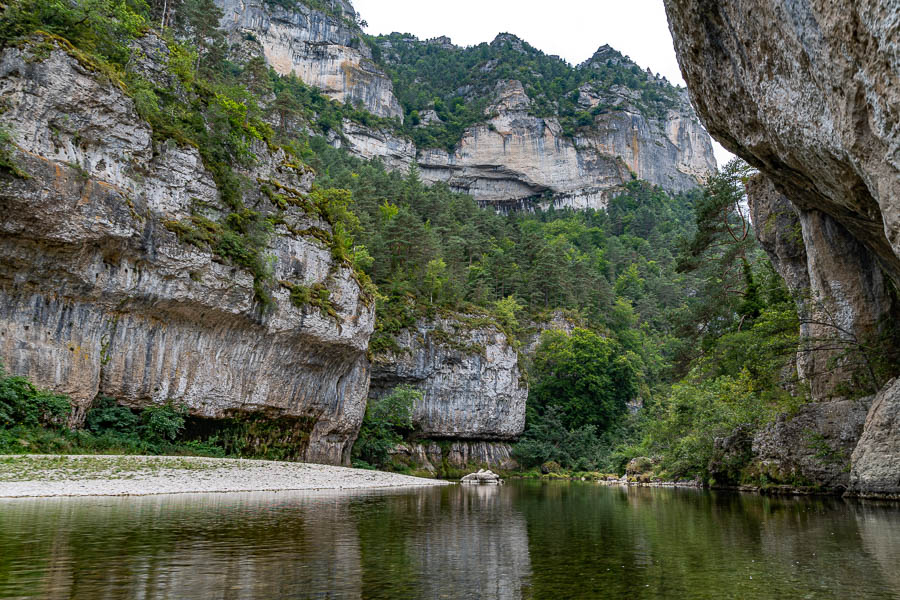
323	50
516	160
511	159
473	390
815	107
807	92
98	297
842	296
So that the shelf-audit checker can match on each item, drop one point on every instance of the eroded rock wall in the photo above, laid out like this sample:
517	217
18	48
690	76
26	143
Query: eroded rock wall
469	375
807	91
842	297
97	296
515	160
511	160
441	457
325	51
876	459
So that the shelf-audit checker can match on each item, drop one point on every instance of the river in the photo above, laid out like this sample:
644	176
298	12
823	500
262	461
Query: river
525	539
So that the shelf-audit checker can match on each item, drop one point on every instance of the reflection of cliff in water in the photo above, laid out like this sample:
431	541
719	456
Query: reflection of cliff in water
879	529
479	546
230	546
461	542
465	541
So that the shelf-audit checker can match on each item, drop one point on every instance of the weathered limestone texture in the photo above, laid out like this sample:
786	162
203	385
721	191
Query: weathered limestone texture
814	446
511	160
876	460
514	160
97	296
841	293
396	152
469	374
325	51
461	454
808	92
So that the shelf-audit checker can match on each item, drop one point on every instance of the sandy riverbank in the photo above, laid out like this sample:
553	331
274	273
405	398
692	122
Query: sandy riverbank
51	475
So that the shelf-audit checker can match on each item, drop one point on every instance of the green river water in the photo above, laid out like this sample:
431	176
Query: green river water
522	540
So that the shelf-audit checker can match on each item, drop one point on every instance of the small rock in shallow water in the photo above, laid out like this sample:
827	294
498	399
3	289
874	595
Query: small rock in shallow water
484	477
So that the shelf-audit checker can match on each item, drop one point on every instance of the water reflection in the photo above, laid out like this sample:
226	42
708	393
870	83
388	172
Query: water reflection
522	540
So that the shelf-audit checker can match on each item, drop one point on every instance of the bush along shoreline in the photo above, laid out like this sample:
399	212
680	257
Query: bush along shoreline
35	421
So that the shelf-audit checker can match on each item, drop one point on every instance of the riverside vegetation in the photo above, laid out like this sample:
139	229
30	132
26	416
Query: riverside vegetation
674	306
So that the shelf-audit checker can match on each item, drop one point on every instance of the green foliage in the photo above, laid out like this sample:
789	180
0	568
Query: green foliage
162	422
548	438
107	416
7	164
34	421
588	378
101	27
387	420
458	83
21	403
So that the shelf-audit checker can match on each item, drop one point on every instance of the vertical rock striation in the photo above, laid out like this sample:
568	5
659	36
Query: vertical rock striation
808	92
473	390
841	293
324	50
511	159
98	297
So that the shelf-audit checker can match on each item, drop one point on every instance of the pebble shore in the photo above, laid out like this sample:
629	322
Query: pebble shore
52	475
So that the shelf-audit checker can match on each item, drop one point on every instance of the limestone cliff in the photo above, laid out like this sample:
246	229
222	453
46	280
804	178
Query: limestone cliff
473	390
807	92
99	297
517	160
324	50
511	158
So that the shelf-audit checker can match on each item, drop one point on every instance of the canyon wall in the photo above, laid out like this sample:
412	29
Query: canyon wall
99	297
807	92
324	50
511	160
515	160
473	391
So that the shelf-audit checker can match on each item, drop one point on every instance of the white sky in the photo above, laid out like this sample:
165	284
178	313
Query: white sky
572	29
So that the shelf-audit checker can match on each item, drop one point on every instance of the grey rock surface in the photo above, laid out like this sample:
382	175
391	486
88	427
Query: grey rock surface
814	446
808	92
515	160
842	296
321	49
97	296
483	477
468	372
876	459
460	454
511	160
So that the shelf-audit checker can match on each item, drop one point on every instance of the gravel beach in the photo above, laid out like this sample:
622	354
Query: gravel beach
23	476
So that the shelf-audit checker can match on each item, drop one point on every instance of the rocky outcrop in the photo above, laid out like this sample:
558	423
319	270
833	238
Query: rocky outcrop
468	373
512	159
482	477
843	299
876	459
556	321
99	297
809	93
324	50
396	152
440	457
515	160
812	447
